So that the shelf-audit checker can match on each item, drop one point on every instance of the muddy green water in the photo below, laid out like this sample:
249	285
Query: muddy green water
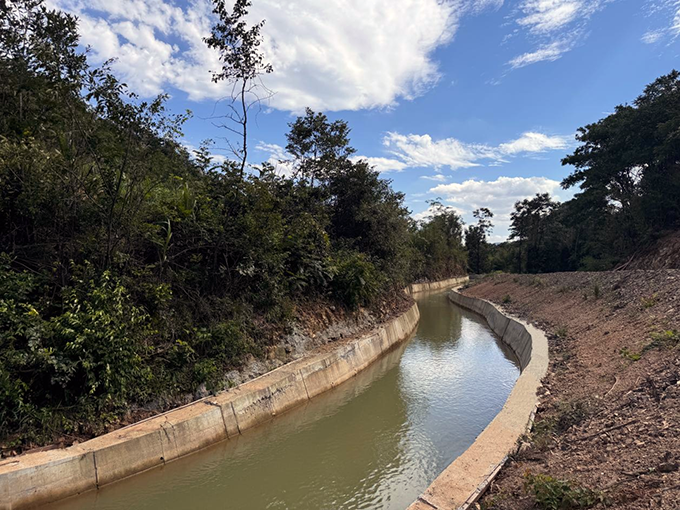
374	442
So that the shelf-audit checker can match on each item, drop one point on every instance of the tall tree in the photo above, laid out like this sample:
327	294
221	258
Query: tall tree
476	240
317	145
628	166
243	63
528	225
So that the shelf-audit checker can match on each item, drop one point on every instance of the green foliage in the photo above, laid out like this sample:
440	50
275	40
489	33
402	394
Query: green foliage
476	243
507	299
555	494
649	302
626	168
626	353
356	280
132	271
596	290
667	339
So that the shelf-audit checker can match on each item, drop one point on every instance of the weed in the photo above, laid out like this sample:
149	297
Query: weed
563	289
507	299
570	414
596	291
561	332
554	494
630	355
663	339
649	302
538	281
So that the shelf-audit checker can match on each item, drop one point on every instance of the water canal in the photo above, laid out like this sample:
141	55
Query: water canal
374	442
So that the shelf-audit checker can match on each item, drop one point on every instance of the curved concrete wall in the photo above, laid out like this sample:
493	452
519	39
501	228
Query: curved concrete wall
467	477
43	477
414	288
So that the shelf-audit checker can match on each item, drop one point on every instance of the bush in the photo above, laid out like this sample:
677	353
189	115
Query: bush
356	279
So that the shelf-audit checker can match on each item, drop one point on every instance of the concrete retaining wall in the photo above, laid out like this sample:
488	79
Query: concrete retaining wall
43	477
414	288
467	477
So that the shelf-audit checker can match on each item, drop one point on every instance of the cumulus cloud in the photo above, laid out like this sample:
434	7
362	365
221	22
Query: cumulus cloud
554	27
499	196
421	151
534	142
432	211
330	55
382	165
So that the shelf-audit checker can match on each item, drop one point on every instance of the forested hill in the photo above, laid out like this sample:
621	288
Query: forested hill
131	270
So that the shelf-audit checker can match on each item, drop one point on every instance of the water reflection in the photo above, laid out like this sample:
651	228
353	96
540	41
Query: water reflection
374	442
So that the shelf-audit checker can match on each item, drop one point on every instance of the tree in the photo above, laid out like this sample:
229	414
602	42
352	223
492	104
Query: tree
475	240
628	167
528	225
317	145
243	63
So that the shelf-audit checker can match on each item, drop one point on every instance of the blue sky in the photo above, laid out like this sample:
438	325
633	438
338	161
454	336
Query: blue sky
471	101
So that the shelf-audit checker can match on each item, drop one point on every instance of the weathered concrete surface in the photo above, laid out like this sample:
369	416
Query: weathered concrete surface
38	478
461	484
438	285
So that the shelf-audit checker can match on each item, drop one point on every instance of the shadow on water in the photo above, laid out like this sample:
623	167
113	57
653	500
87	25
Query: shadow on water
375	441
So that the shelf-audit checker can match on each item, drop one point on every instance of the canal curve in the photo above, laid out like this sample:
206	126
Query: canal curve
374	442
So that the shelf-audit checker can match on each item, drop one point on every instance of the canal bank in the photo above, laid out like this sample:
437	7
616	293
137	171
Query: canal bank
464	481
42	477
374	442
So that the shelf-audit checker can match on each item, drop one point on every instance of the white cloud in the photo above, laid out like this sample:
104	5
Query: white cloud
278	158
421	151
382	165
435	177
547	53
499	196
554	27
653	36
667	14
330	55
431	212
534	142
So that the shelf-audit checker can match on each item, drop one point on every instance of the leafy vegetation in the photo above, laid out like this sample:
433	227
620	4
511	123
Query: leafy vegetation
627	168
132	271
554	494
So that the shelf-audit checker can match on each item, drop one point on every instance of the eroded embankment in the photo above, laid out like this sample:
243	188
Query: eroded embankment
47	476
609	418
462	482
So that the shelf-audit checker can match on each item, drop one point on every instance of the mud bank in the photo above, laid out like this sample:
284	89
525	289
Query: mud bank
43	477
462	483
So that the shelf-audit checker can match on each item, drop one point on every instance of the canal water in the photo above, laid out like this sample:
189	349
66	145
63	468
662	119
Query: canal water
374	442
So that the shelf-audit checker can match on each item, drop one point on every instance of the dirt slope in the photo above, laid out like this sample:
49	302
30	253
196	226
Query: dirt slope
609	418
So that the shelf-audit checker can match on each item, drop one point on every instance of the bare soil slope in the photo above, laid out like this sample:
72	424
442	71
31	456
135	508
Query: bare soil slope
609	419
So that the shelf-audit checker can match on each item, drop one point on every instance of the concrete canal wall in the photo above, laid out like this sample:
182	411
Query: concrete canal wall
466	478
43	477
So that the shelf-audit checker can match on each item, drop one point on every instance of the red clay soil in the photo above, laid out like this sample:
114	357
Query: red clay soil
608	422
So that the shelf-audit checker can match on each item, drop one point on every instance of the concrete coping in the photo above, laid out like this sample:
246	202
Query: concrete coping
43	477
463	482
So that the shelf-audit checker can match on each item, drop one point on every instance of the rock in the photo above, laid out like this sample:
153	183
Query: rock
667	467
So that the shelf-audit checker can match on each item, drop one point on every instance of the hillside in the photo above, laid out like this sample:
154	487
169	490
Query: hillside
609	416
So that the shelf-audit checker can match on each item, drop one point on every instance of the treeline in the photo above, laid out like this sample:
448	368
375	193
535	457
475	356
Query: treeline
133	271
627	168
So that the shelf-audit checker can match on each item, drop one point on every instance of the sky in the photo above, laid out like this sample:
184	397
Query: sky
471	102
